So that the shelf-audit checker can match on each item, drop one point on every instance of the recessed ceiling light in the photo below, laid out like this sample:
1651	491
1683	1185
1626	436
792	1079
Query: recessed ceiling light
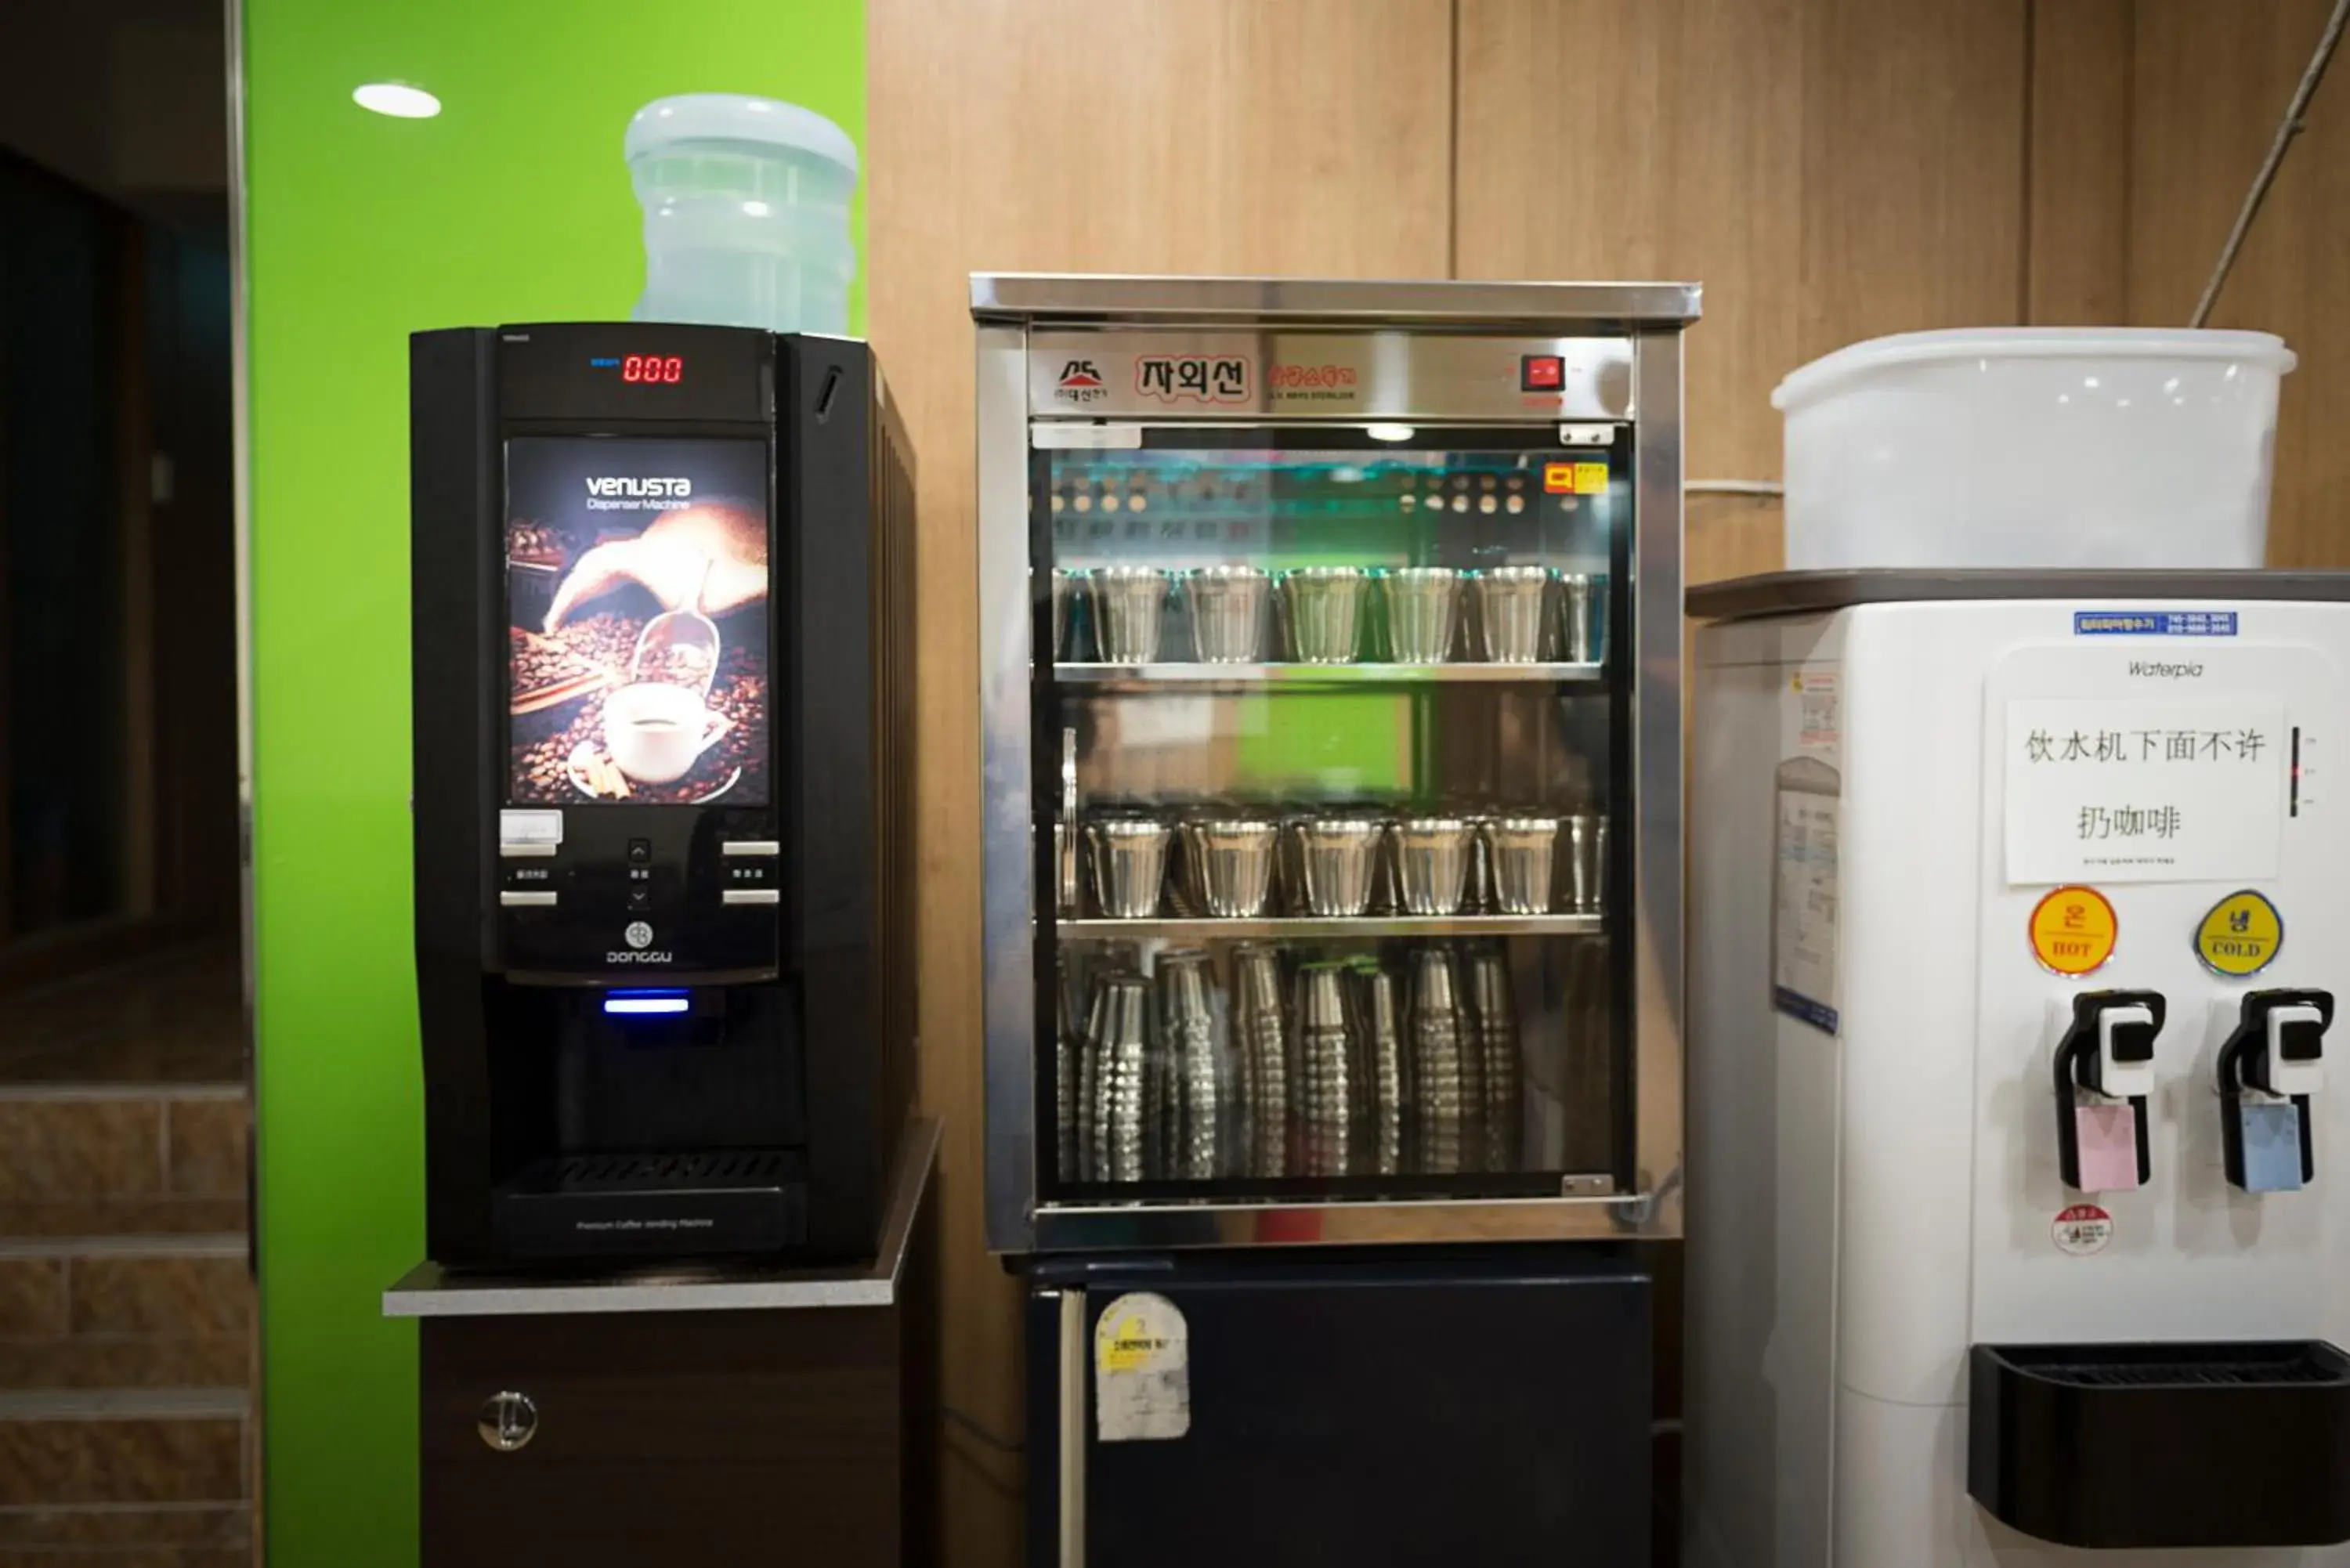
398	100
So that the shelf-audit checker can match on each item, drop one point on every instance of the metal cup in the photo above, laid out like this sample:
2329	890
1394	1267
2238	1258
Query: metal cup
1431	861
1065	582
1326	612
1192	1117
1423	613
1327	1090
1522	853
1227	606
1126	604
1232	863
1491	1002
1383	1088
1510	602
1130	855
1064	881
1437	1042
1261	1028
1121	1099
1580	597
1337	856
1587	856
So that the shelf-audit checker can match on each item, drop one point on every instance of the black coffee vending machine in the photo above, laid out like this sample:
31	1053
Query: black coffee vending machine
663	687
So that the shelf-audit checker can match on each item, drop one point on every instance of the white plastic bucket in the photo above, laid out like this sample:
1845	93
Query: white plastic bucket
2020	447
746	212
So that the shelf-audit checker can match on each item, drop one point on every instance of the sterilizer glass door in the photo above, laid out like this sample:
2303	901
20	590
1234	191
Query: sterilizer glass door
1333	793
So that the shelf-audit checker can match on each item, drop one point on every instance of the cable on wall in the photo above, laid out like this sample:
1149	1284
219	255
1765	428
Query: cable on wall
2291	126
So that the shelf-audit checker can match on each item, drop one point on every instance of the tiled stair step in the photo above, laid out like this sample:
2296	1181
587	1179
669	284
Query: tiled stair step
124	1313
94	1160
128	1536
68	1448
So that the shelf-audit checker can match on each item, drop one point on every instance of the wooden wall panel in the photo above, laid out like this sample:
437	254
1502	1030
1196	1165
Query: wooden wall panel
1117	135
1674	151
2210	85
1830	169
2076	246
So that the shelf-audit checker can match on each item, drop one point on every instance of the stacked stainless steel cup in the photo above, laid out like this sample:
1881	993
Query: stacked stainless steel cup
1327	1107
1261	1030
1496	1025
1382	1015
1435	1063
1115	1065
1193	1118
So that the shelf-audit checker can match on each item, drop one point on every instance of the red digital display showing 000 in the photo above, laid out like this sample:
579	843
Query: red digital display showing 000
653	368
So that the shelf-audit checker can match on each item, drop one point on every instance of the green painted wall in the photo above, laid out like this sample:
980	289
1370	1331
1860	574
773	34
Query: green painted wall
513	204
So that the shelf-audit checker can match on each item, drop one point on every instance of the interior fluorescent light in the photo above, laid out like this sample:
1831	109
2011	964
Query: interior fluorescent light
396	100
641	1002
1390	433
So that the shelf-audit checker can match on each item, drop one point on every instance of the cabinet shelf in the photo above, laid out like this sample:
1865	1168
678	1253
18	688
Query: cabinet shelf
1242	677
1183	928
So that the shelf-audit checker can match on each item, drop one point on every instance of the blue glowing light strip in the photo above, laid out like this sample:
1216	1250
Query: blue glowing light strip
639	1001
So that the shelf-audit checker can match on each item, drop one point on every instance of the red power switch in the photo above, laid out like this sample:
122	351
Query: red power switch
1542	373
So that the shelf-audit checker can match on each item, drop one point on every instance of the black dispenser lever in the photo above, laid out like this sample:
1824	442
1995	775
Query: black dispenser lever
2269	1069
2104	1075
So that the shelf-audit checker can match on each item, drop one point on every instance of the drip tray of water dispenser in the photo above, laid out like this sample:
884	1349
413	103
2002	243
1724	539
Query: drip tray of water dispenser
2148	1445
704	1202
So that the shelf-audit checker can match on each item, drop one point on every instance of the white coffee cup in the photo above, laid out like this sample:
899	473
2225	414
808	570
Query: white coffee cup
656	731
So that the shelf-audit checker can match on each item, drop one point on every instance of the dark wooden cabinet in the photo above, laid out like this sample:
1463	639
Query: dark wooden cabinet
685	1438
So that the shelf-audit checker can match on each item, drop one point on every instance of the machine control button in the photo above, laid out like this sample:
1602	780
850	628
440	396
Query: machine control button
763	849
1542	372
2296	1043
640	896
526	833
640	851
529	851
526	901
2125	1050
751	896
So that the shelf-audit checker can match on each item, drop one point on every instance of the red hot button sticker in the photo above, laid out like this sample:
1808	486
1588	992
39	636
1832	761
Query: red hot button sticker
2082	1230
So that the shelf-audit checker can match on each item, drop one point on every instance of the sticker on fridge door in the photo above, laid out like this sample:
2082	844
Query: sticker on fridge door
1142	1370
2120	790
1804	892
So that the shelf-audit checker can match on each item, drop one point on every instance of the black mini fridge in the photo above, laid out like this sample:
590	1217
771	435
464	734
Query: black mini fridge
1239	1409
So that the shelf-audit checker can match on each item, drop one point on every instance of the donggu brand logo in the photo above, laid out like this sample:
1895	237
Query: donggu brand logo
640	938
610	485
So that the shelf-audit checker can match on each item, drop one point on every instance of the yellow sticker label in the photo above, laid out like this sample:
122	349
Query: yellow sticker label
2240	935
2073	930
1591	479
1127	1344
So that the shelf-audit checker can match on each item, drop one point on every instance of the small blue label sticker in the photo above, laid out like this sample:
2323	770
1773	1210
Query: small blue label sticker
2154	623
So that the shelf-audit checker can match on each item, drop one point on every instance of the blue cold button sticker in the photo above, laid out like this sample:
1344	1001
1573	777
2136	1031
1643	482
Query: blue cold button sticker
2154	623
2271	1147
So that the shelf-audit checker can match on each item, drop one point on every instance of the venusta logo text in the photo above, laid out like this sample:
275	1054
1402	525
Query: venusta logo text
611	485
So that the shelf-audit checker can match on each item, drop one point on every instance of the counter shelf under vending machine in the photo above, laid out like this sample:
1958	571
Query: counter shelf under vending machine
1331	643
